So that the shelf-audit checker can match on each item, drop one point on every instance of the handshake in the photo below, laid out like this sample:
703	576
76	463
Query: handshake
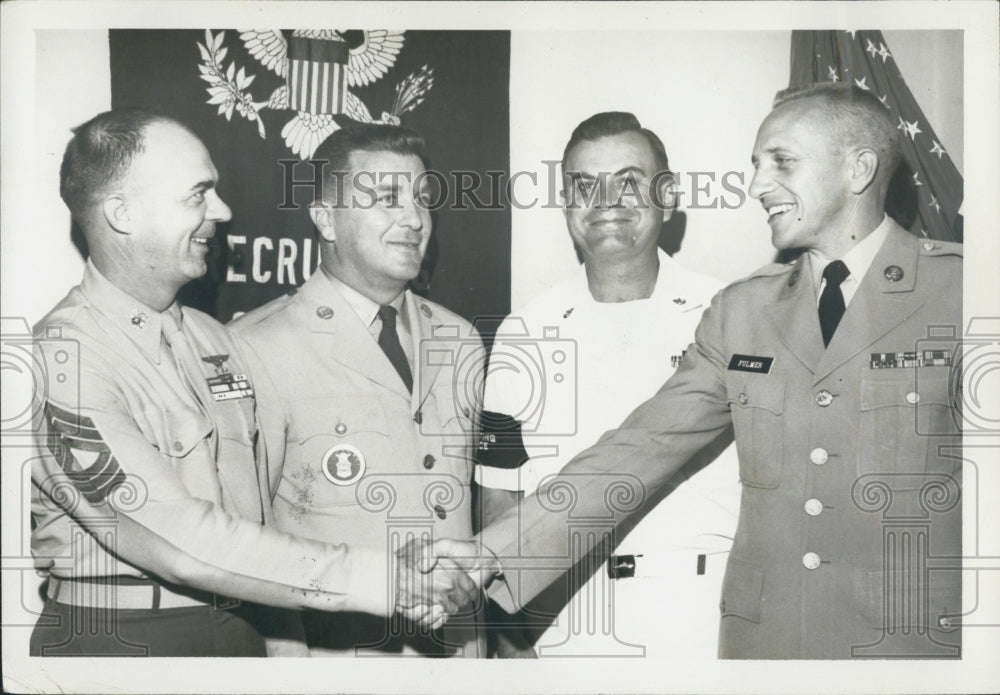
436	579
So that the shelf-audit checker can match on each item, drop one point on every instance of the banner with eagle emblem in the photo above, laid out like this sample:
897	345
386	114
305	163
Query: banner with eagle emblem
263	100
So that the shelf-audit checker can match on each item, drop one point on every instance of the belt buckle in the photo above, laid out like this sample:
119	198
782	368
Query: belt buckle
224	603
621	566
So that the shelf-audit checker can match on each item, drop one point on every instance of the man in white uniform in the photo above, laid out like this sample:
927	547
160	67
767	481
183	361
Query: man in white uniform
573	364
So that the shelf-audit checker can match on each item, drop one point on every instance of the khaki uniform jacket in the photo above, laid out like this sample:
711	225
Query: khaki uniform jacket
135	477
849	535
365	463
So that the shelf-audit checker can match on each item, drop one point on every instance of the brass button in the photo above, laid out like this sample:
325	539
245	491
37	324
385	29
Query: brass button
429	462
324	312
810	561
341	428
439	510
814	507
824	398
945	623
178	446
818	456
466	412
742	398
913	398
893	273
928	246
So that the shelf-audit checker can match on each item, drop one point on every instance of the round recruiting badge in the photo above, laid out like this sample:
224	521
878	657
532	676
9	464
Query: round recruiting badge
343	464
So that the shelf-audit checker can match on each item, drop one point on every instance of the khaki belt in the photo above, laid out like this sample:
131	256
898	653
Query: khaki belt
130	593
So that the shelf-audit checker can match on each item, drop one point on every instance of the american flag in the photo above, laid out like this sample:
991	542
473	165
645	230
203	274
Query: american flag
927	192
317	75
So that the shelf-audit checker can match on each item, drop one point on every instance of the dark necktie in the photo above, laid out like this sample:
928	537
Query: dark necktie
831	302
389	342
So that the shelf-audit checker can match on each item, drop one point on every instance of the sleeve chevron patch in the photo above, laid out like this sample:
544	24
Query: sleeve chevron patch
82	454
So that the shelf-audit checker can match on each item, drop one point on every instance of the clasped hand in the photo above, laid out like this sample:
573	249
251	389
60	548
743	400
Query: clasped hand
437	579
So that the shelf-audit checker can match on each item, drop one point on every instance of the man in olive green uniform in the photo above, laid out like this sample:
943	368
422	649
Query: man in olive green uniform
149	519
366	390
834	371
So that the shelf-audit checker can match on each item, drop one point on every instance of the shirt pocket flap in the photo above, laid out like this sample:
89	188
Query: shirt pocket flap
763	391
883	388
179	430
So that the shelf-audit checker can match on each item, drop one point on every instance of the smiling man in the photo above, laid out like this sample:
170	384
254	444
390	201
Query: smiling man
629	313
148	502
834	373
359	391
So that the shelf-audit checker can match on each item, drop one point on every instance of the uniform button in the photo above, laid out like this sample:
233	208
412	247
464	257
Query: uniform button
467	412
945	622
810	561
178	446
324	312
928	246
818	456
824	398
913	398
814	507
439	510
428	462
742	398
418	417
341	428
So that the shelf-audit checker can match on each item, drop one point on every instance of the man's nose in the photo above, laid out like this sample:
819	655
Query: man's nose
413	215
218	211
760	184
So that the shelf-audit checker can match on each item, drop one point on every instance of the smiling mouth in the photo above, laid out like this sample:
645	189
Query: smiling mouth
776	210
202	241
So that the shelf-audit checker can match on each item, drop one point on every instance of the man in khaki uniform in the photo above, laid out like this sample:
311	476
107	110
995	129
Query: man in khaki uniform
149	520
367	391
834	372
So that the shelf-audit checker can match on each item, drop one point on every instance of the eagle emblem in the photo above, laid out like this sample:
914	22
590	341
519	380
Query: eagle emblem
217	361
369	56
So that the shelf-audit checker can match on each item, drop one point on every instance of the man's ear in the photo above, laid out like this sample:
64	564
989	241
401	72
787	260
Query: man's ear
862	166
322	217
666	195
116	213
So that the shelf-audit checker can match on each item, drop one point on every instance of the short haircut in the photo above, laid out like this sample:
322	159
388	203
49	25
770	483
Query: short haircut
337	149
100	153
857	118
615	123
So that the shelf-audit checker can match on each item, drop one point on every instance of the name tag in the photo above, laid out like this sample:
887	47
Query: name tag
903	360
226	387
751	363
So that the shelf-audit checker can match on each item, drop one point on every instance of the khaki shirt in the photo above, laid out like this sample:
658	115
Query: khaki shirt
137	474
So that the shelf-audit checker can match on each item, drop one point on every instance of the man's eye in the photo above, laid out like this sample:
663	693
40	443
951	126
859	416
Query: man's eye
198	197
388	199
585	187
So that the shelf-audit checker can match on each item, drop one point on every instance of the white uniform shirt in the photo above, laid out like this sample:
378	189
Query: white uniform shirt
580	370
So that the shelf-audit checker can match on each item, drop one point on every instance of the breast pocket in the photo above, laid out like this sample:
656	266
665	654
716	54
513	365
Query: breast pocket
333	444
756	402
906	415
176	432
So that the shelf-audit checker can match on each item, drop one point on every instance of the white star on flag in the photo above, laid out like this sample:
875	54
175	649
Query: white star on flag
851	32
871	48
833	74
916	181
912	130
934	204
861	83
937	149
883	51
885	101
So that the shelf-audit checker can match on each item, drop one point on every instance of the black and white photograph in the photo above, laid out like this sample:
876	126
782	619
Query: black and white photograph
581	346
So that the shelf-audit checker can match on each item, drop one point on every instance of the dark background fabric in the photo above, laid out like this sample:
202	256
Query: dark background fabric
464	118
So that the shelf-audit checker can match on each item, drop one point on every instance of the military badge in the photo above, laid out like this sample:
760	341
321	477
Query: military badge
219	362
227	386
343	464
138	318
425	310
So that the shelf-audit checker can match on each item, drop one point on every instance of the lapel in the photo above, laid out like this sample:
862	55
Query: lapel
794	316
422	321
343	337
879	305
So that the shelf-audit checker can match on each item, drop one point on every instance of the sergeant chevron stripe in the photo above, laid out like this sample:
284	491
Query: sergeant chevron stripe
70	431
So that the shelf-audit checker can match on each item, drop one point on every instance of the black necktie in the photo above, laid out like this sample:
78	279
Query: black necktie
831	302
389	342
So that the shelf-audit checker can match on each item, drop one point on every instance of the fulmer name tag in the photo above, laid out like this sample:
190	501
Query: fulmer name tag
750	363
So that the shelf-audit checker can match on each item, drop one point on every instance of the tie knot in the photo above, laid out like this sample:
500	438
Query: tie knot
835	273
388	315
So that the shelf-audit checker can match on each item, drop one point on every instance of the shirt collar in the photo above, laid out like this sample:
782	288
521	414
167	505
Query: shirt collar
668	281
858	259
365	308
140	323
